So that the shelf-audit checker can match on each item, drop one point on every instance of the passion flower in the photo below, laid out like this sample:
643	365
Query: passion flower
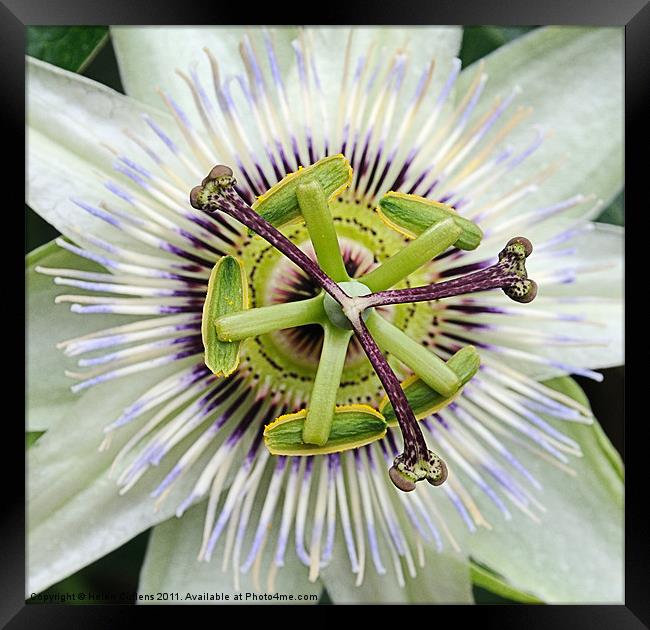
279	377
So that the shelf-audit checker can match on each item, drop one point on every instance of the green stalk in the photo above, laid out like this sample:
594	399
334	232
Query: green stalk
429	367
315	210
433	241
265	319
322	403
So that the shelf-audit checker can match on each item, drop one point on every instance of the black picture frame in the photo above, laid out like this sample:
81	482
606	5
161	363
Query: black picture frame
634	15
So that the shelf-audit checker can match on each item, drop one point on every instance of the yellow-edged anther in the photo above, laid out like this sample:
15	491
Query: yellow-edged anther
353	426
411	215
279	205
227	293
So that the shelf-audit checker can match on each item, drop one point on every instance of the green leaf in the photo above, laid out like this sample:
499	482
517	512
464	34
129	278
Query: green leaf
479	41
615	212
489	581
31	437
37	230
69	47
575	554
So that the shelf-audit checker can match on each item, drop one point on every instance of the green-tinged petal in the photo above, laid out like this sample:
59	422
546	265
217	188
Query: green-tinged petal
48	388
422	45
148	57
171	566
573	79
575	554
70	121
598	259
444	579
74	512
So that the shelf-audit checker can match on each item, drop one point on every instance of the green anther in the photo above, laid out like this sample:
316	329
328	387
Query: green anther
432	242
279	205
227	293
424	400
315	209
431	369
412	215
333	308
322	402
266	319
352	426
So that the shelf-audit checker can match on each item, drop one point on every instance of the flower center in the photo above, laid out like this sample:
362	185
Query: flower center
227	321
288	359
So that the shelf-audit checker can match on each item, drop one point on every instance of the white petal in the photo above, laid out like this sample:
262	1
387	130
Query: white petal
445	579
75	514
573	78
422	45
48	392
70	117
148	57
598	287
590	307
441	576
171	565
575	555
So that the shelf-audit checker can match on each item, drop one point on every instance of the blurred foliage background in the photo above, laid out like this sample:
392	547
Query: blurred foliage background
88	50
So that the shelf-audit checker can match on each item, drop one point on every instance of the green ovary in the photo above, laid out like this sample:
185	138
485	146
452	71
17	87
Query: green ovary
276	359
